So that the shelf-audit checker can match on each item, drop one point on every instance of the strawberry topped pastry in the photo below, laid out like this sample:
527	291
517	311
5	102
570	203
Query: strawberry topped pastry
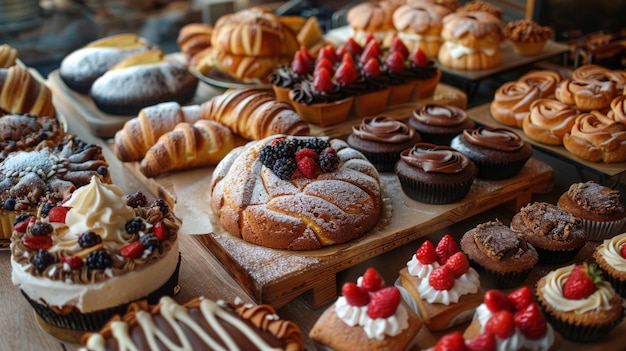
455	341
369	315
285	77
94	253
426	73
611	259
445	288
402	80
579	302
515	320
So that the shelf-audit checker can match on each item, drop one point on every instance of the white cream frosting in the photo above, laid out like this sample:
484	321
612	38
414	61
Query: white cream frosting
553	294
517	340
391	326
351	315
457	50
418	37
417	269
468	283
610	252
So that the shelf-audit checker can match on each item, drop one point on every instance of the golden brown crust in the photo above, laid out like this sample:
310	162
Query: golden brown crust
593	202
21	93
511	102
586	95
618	109
8	56
596	137
472	29
545	80
475	61
592	72
527	31
605	266
548	121
193	38
372	16
419	25
476	5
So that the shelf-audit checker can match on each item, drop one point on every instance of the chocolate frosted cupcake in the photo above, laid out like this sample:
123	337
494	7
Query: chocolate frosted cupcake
381	139
435	174
598	207
438	124
611	258
502	256
556	235
498	153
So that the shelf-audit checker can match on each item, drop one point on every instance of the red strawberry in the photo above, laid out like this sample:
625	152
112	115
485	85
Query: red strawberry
581	282
160	231
372	281
622	251
384	302
502	324
355	295
485	341
21	226
328	52
395	62
521	297
451	342
426	253
326	64
132	250
419	58
74	262
353	47
322	80
446	248
397	45
530	322
441	278
57	214
300	65
370	37
372	51
458	264
306	54
496	301
309	167
347	72
37	242
372	68
306	152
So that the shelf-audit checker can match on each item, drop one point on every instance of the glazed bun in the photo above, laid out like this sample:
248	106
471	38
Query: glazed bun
548	121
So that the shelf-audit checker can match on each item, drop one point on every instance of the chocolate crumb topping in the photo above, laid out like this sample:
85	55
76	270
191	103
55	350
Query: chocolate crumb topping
594	197
498	241
545	219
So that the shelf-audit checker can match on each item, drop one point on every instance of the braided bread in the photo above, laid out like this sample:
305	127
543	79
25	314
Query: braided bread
512	101
203	143
596	137
8	56
254	114
548	121
140	133
21	93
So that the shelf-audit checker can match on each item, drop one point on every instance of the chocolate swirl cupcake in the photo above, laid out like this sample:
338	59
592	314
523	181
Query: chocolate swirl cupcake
438	124
498	153
435	174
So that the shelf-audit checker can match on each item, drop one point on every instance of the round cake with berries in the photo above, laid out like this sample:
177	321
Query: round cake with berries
297	193
93	254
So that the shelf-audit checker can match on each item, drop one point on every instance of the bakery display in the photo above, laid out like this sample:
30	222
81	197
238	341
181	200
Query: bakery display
435	174
597	138
193	38
419	24
201	323
548	121
610	256
554	233
369	315
442	284
402	80
598	207
25	132
371	88
141	80
502	257
439	124
373	18
579	303
527	37
586	95
595	73
498	153
89	256
511	102
285	77
544	79
21	93
322	193
381	139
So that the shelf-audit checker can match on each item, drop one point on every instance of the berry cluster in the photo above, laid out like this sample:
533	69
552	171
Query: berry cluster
452	262
381	301
310	156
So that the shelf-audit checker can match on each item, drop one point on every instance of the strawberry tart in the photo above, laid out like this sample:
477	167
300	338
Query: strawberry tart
611	258
442	283
368	316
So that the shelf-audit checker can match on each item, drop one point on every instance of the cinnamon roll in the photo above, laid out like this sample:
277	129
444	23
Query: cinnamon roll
548	121
596	137
586	95
512	102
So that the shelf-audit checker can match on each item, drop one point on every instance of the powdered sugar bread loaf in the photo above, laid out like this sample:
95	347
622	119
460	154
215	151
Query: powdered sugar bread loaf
298	206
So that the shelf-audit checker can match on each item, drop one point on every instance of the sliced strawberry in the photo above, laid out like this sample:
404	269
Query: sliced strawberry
581	282
322	80
484	341
384	302
306	152
23	225
458	264
300	65
372	68
441	278
419	58
451	342
355	295
347	72
397	45
395	62
372	281
501	324
353	47
161	232
57	214
426	253
326	63
74	262
37	242
372	50
446	247
521	297
497	301
309	167
530	322
622	251
132	250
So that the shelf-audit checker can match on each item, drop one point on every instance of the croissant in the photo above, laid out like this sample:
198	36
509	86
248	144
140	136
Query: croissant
8	56
254	114
203	143
140	133
22	93
193	38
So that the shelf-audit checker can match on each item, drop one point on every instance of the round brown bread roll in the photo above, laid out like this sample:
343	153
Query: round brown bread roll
511	102
298	212
548	121
596	137
586	95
